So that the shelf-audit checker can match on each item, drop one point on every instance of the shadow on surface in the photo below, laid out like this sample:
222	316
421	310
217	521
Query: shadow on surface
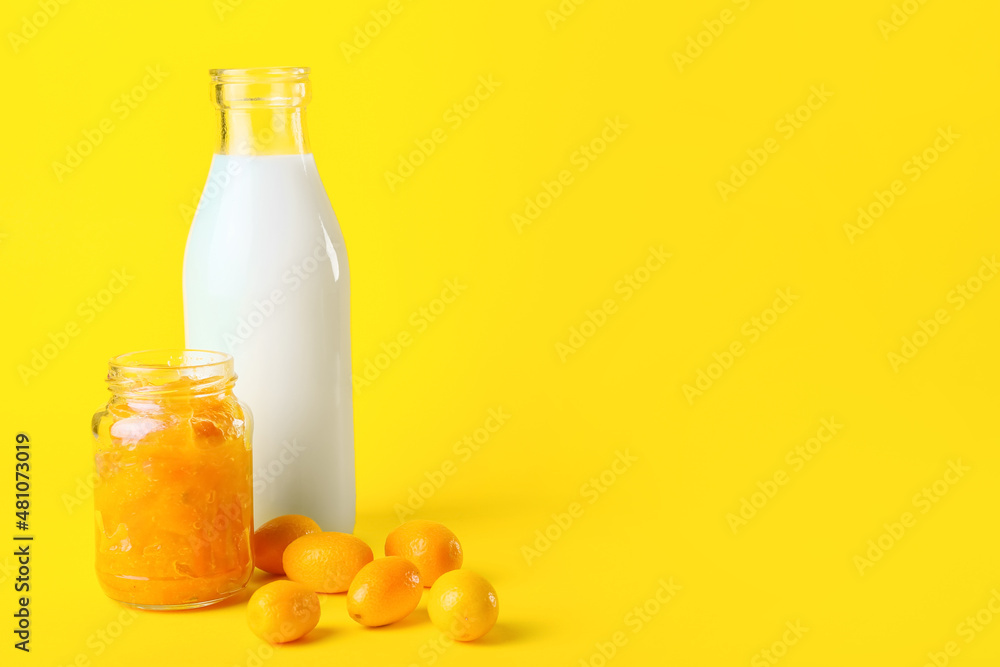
315	635
507	633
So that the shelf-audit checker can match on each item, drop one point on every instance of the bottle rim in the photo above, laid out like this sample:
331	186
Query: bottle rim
259	74
260	88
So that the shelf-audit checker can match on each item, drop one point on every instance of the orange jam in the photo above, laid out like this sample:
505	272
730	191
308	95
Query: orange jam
173	500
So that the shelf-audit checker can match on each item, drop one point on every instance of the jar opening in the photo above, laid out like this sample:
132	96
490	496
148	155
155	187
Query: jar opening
171	371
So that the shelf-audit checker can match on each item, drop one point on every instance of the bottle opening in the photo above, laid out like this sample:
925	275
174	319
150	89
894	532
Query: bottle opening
260	87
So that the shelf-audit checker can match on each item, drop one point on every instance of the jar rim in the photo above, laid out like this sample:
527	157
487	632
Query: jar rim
170	372
168	358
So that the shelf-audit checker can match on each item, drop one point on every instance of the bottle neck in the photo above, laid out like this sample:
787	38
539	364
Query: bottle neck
262	131
261	111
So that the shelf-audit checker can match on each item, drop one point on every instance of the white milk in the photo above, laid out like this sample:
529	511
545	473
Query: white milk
266	279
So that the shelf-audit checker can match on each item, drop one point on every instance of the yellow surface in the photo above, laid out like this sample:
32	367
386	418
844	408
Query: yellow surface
91	262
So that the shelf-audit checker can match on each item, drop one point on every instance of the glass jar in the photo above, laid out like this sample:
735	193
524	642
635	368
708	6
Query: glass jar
173	501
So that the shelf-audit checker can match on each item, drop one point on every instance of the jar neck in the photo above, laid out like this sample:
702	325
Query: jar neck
164	375
267	131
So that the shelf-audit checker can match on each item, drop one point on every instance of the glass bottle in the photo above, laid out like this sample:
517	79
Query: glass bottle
173	500
266	279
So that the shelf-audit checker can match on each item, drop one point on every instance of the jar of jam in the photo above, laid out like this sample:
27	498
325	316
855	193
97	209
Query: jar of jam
173	501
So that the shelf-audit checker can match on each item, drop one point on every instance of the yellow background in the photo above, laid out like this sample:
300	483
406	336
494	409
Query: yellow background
495	346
